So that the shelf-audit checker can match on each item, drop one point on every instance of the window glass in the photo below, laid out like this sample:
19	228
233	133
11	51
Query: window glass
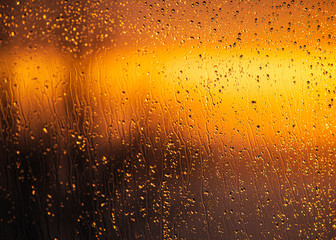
167	119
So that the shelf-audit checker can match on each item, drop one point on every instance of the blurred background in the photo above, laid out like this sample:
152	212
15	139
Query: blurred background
167	119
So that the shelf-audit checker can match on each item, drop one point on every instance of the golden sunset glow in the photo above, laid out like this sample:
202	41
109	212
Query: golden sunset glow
236	90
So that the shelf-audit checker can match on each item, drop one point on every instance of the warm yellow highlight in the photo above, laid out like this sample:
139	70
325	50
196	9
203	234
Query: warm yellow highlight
243	96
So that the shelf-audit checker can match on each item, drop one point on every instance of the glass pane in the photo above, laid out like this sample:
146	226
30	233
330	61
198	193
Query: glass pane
167	119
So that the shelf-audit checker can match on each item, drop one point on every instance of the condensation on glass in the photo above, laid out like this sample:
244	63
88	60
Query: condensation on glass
167	119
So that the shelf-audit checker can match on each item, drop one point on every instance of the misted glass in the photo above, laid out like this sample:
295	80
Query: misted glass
167	119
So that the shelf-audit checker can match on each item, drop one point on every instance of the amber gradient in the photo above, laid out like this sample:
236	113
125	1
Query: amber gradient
218	117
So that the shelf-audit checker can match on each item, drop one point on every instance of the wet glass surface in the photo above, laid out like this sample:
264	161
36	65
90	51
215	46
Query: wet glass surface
167	119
